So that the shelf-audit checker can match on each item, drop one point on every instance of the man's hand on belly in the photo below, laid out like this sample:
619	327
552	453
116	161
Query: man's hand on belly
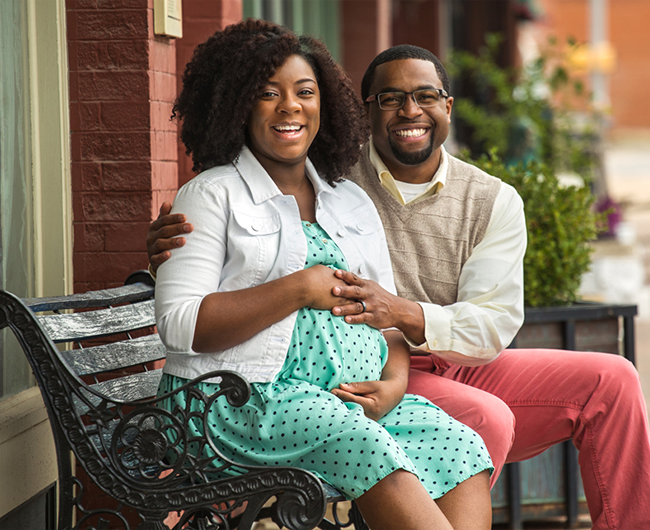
382	310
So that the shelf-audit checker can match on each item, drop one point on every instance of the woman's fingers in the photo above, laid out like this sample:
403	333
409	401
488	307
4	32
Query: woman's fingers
349	277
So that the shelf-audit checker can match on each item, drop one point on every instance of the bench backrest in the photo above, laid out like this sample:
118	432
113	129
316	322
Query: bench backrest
129	346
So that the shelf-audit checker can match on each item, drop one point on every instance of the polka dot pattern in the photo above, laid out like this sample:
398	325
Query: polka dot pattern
296	421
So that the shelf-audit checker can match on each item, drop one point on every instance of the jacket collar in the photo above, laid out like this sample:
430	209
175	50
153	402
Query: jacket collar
261	185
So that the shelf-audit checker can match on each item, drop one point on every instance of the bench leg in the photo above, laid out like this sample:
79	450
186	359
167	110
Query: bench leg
354	522
514	495
571	469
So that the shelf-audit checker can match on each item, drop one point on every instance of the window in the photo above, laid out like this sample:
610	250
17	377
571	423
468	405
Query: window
35	188
16	259
319	18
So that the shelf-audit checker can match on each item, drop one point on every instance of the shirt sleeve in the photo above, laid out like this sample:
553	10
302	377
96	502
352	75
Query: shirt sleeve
194	270
490	306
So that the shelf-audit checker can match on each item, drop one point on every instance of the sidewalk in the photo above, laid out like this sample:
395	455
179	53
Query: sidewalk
627	163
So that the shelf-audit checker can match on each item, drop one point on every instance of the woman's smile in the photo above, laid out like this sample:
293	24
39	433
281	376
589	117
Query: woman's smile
289	131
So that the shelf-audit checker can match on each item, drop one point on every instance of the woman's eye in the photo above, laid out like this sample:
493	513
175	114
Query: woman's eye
268	94
306	92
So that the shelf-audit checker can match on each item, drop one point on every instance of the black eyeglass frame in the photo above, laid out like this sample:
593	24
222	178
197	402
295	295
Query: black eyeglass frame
375	97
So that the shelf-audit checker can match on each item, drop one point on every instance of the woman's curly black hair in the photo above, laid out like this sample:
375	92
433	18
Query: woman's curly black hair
224	78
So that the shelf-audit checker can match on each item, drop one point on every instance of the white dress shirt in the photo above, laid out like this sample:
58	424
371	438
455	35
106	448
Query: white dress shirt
490	306
246	232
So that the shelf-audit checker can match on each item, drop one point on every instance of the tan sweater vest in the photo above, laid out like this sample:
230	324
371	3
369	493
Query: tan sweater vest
430	240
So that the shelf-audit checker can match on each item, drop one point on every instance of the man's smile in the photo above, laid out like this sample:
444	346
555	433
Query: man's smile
411	132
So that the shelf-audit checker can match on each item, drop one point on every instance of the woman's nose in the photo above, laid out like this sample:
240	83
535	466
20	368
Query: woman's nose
289	103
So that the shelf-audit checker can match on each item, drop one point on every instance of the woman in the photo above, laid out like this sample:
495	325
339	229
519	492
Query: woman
272	124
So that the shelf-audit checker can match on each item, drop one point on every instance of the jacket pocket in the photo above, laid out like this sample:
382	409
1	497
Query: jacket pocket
362	232
257	226
361	221
253	243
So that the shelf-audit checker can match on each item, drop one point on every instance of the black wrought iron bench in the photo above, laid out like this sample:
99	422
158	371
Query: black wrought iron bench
100	394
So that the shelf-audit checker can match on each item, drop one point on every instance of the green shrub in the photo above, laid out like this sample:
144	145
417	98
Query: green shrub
528	112
560	222
526	120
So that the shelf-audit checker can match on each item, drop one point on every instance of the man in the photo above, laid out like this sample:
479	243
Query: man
457	238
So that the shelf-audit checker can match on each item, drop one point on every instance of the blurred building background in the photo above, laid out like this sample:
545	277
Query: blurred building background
88	153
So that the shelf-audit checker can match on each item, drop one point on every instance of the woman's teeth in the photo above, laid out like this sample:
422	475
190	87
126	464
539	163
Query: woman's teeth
410	133
287	128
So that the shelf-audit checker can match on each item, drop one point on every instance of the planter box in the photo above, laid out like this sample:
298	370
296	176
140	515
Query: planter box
549	485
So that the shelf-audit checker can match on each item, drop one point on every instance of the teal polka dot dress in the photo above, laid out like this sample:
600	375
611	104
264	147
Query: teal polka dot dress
296	421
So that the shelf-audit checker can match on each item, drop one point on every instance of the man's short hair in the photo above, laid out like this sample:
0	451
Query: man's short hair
396	53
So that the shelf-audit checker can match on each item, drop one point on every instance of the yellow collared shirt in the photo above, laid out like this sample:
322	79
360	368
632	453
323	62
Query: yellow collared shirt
393	186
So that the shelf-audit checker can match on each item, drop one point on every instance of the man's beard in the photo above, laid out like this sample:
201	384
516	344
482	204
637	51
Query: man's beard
411	159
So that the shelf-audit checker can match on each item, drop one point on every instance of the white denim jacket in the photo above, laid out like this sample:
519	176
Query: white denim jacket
246	232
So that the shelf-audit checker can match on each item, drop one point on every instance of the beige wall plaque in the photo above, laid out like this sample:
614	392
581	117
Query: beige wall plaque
168	18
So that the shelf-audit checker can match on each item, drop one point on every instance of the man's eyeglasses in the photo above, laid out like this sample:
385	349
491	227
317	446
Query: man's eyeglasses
427	97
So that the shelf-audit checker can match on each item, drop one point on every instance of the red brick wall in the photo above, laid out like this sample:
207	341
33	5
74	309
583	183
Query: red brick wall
122	84
201	18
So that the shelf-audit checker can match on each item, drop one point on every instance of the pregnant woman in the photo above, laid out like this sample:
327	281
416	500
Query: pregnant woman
272	124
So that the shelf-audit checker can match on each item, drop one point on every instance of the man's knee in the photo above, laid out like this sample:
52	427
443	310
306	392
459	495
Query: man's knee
493	420
618	380
594	372
622	370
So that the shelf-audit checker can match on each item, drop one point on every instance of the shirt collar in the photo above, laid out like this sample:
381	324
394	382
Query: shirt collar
261	185
387	180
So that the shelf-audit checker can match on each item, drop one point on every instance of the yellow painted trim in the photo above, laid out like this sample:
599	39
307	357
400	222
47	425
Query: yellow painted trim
26	449
50	125
20	413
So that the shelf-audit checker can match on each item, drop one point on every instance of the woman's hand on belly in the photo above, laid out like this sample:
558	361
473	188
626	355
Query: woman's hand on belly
320	281
377	398
229	318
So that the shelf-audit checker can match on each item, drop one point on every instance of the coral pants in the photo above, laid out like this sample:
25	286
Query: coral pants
528	400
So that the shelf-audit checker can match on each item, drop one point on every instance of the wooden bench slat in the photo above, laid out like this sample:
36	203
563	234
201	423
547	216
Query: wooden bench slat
105	297
93	324
115	356
131	387
128	388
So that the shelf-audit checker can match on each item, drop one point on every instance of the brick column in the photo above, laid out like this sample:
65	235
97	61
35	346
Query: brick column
366	32
122	85
417	23
200	20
